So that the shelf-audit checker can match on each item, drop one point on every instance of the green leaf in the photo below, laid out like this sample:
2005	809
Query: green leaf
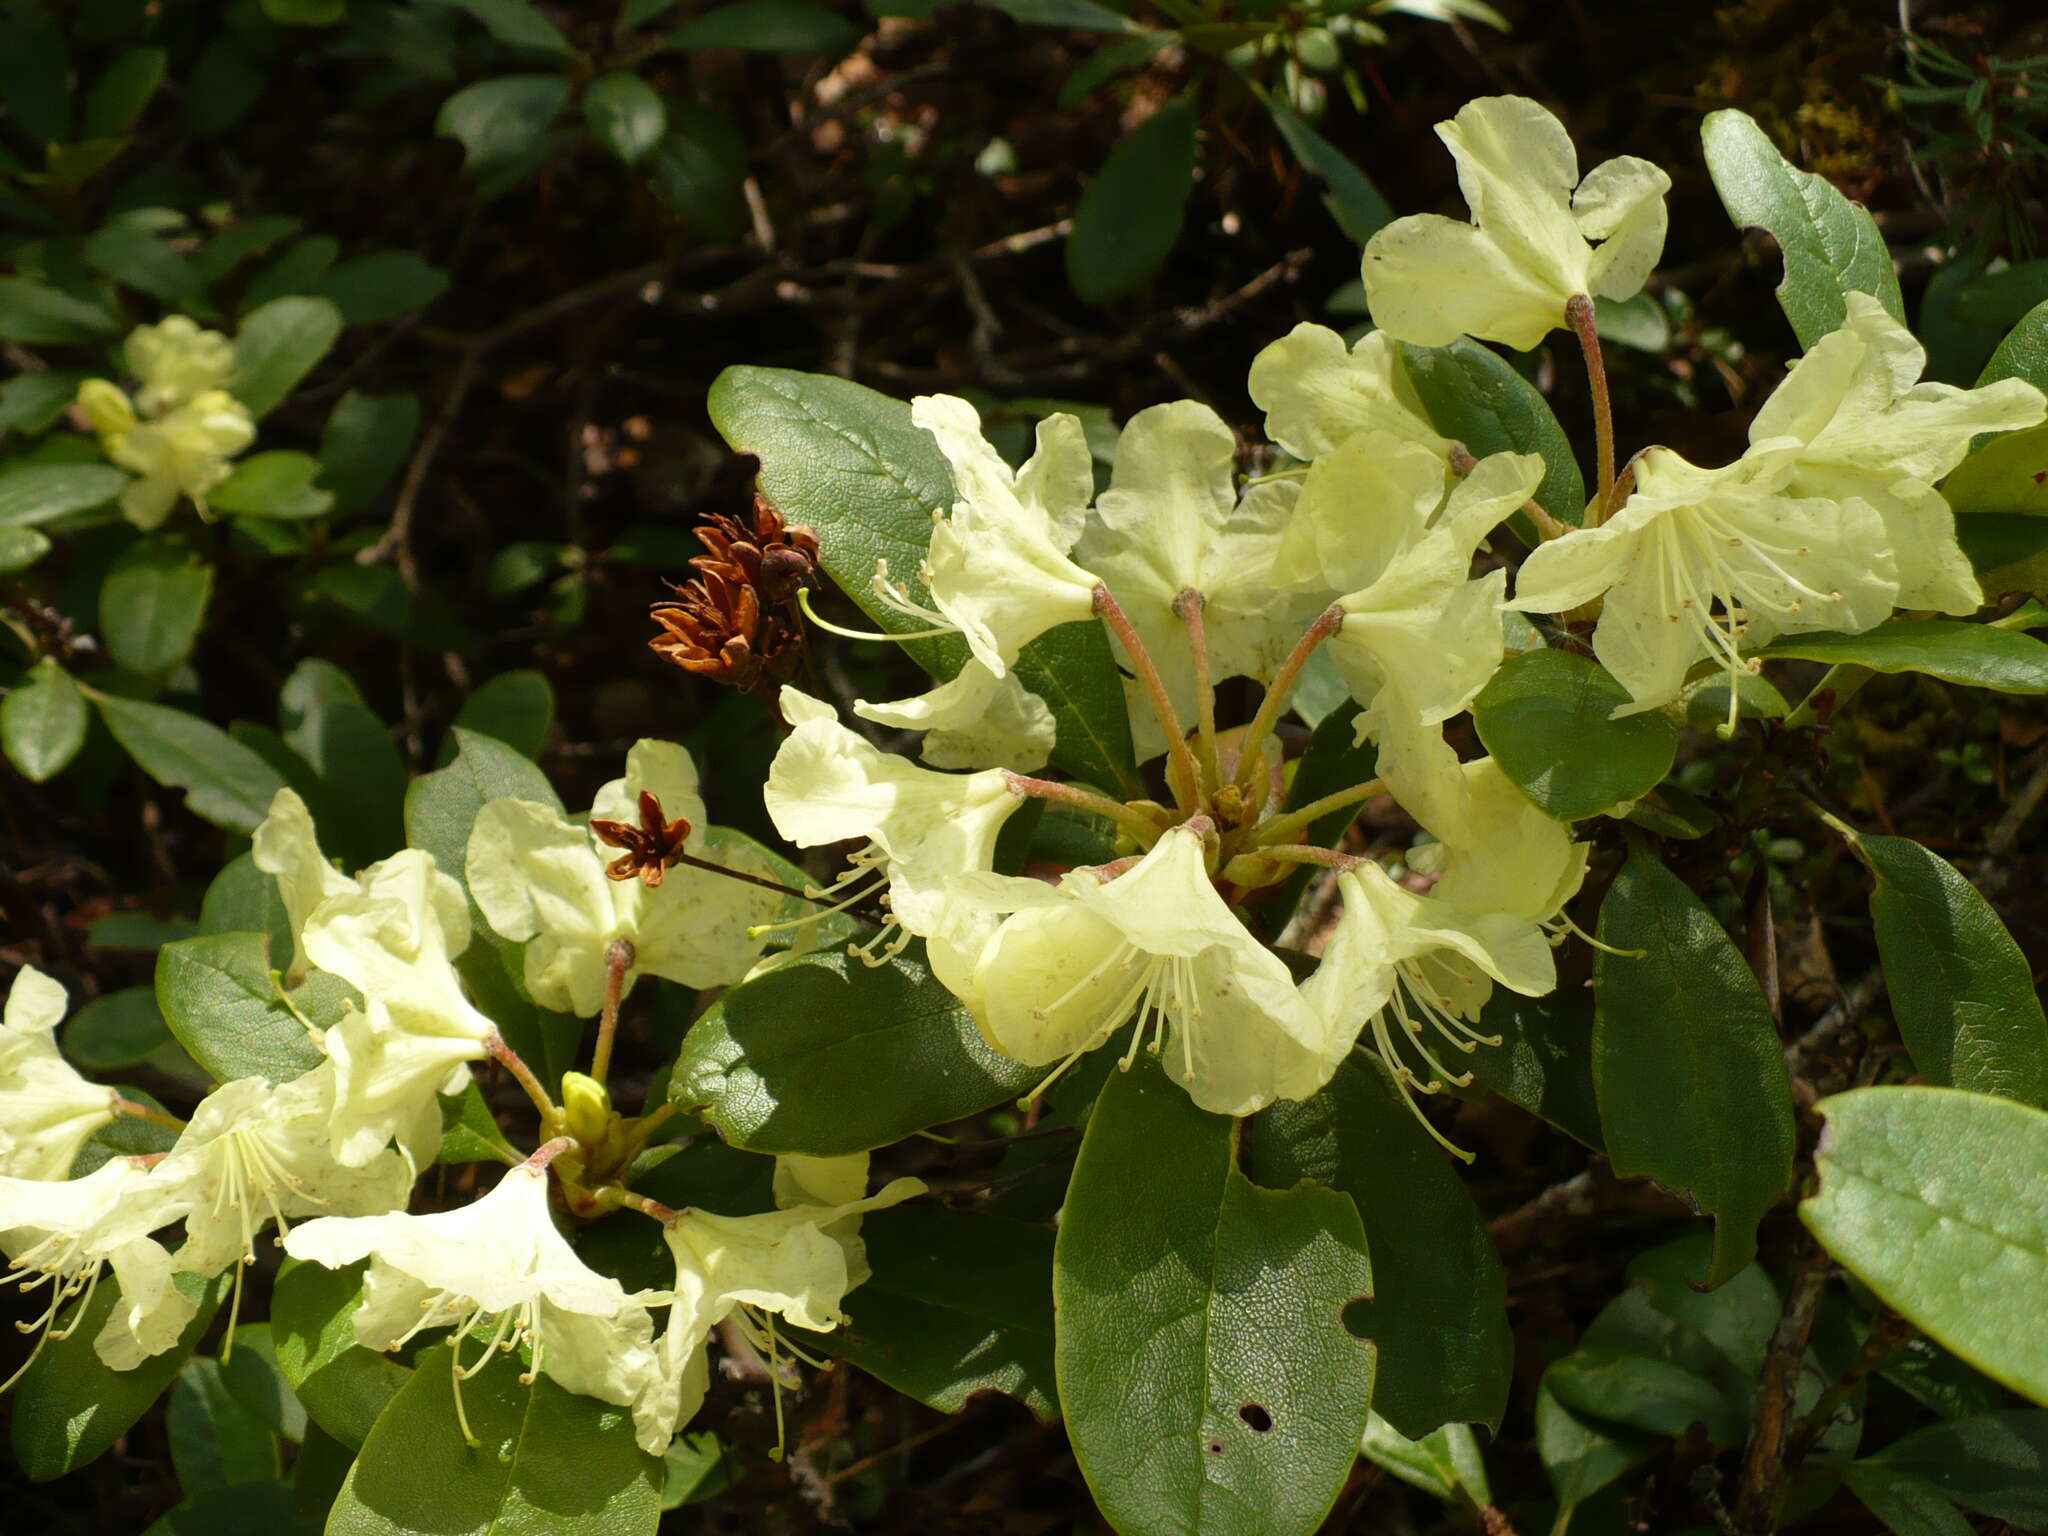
382	286
1581	1456
1130	213
255	1380
826	1055
377	596
960	1302
325	721
218	998
121	91
514	707
278	345
1933	1197
1446	1464
35	72
245	1509
21	548
343	1385
1975	655
1064	15
768	26
137	931
69	1406
45	491
364	444
305	13
848	462
121	1029
224	781
1832	246
1961	990
516	24
29	402
1354	202
1474	396
244	899
1991	1463
1545	717
469	1131
1208	1379
2004	297
500	122
1906	1505
698	169
39	315
2024	352
625	113
42	722
153	601
1996	498
550	1463
441	807
336	1388
238	242
296	270
275	484
131	253
215	1441
1686	1061
1438	1312
1652	1395
1640	322
1544	1062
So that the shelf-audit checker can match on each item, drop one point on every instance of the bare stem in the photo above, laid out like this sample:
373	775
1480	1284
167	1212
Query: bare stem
618	959
1578	313
1154	685
147	1113
1303	853
1189	605
1297	821
522	1074
613	1196
1278	691
1145	831
548	1151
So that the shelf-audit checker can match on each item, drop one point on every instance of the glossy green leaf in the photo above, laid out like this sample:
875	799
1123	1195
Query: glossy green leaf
382	286
29	402
363	446
21	548
1208	1379
1546	718
1961	991
1580	1455
625	113
243	899
960	1302
45	491
69	1406
296	270
550	1463
2023	354
1687	1064
1651	1395
1447	1464
1933	1197
827	1055
224	781
847	461
514	707
1474	396
279	343
1907	1505
116	1030
1064	15
218	998
344	1387
1544	1062
768	26
153	601
39	315
42	722
216	1441
1130	213
131	253
1831	246
1975	655
500	122
1993	1463
441	807
1354	202
1438	1313
325	721
515	23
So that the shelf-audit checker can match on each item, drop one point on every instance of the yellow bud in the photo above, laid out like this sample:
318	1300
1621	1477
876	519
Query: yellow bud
107	410
586	1108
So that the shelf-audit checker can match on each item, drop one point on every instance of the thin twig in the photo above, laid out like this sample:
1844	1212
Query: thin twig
1766	1466
1838	1020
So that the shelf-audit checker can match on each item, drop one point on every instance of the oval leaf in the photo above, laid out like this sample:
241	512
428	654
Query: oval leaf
278	345
827	1055
219	998
1975	655
153	601
1545	717
1207	1376
1474	396
625	113
500	122
1130	213
1687	1064
223	780
42	722
45	491
1933	1197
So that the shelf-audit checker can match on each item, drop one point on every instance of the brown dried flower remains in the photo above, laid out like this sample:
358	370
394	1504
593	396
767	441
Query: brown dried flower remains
650	848
736	620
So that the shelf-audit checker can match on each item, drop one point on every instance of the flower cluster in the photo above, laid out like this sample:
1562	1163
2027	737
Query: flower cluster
180	428
338	1149
1361	553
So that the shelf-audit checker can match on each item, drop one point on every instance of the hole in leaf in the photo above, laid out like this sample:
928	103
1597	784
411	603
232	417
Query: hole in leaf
1357	1317
1215	1447
1256	1418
